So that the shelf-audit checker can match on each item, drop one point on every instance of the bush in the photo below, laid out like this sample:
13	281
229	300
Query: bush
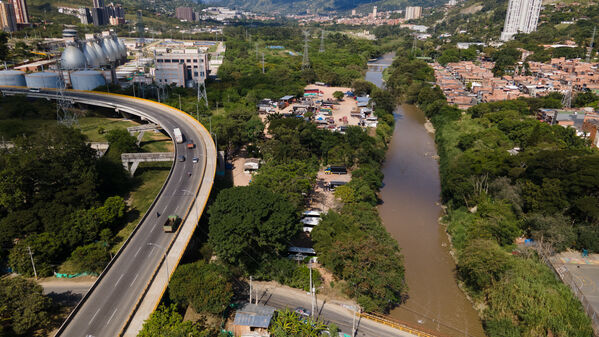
90	258
206	287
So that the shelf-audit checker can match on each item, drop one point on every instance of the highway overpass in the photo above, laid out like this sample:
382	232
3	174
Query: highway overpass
132	284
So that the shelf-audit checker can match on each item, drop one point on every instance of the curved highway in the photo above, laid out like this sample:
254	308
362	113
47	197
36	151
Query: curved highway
108	307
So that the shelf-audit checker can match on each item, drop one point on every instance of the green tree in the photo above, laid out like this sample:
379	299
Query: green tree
251	224
205	287
362	87
338	95
121	142
167	322
3	46
90	258
25	307
293	180
482	263
46	250
287	323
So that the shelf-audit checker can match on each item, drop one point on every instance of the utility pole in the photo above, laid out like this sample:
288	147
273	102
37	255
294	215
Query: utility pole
321	50
263	63
32	263
179	101
312	290
251	290
354	324
202	91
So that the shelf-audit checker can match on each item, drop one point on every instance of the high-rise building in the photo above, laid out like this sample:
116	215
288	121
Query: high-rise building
413	12
85	16
8	21
98	16
98	3
21	12
522	17
374	12
184	13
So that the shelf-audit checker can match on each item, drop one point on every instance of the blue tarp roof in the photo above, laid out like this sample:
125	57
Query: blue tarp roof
254	315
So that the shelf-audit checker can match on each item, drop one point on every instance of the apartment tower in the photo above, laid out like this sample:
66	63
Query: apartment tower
522	17
21	13
413	12
8	21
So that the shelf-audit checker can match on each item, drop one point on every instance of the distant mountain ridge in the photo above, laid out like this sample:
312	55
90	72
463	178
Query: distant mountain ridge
316	6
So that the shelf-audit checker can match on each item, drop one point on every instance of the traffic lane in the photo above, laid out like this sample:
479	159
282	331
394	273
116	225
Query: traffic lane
329	313
159	237
162	121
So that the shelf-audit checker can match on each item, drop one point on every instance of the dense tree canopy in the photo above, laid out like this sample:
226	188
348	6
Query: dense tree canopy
251	224
167	322
23	307
205	287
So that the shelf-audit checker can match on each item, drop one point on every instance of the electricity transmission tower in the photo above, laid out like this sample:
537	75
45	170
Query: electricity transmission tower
202	92
140	27
64	106
588	58
321	49
306	59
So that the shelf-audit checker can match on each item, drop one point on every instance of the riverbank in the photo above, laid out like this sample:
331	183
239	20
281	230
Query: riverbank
410	212
489	185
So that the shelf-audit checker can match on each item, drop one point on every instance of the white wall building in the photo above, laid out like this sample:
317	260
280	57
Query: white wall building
522	17
181	66
413	13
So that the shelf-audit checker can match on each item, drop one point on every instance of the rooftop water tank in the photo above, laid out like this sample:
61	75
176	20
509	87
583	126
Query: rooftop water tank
12	78
72	58
87	79
43	80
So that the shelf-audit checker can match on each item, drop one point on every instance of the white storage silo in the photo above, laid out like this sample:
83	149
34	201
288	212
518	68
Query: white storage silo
122	48
102	57
90	55
72	58
108	51
43	80
87	79
12	78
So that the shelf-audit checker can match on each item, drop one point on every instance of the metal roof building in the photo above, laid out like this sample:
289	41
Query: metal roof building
254	315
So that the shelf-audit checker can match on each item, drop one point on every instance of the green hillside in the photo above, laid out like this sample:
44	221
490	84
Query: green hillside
318	6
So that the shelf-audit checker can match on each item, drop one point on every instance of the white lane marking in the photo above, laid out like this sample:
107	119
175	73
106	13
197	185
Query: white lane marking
111	316
136	275
94	316
119	280
138	251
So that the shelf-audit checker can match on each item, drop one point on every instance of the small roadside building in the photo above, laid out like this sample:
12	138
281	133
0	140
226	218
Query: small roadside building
252	320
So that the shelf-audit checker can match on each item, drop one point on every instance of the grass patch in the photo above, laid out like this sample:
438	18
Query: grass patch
149	180
156	142
89	126
11	128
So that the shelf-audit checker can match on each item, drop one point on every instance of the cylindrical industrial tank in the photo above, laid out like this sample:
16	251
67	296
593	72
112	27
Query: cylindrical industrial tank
43	80
72	58
12	78
113	48
87	79
122	48
102	57
107	50
90	55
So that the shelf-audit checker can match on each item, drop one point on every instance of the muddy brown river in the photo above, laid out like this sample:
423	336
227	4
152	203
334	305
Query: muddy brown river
410	211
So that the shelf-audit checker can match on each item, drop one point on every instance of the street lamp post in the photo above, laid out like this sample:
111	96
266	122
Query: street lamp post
165	258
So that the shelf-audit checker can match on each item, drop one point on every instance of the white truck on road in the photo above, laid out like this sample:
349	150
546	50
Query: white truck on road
178	135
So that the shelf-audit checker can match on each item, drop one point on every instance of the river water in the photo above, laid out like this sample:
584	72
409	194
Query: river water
410	211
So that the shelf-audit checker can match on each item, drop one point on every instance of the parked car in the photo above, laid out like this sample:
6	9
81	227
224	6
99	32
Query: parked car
302	312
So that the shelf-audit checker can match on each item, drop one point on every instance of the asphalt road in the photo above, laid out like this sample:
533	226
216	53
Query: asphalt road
108	307
327	313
